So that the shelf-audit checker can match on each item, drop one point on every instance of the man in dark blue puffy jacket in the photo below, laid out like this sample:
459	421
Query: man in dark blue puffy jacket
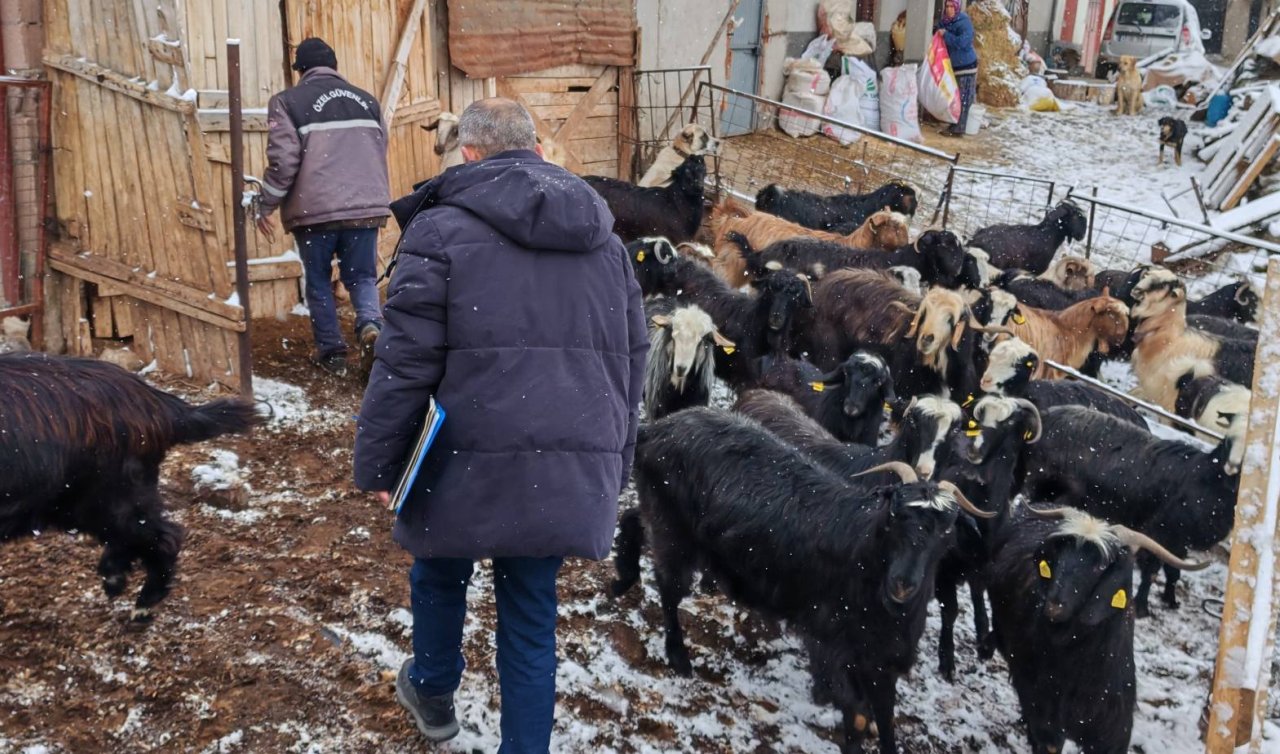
515	305
957	32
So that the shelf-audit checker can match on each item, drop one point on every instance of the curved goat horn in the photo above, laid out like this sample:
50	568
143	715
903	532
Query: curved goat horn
1139	541
1030	407
663	251
904	471
964	502
1055	513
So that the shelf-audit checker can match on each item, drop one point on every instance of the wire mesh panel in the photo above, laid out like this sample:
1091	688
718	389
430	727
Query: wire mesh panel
755	153
1121	236
981	198
662	104
24	179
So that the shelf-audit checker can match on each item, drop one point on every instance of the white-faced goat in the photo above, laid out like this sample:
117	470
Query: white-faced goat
1031	247
681	366
849	401
1217	404
674	211
848	567
937	254
1162	341
838	211
756	325
1167	489
924	430
1009	372
1060	600
83	441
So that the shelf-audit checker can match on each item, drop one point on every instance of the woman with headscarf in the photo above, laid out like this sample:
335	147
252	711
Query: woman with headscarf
957	32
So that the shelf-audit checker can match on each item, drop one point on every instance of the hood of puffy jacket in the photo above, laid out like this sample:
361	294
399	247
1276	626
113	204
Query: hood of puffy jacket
535	203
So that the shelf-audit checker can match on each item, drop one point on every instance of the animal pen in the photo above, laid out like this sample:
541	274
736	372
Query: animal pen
141	144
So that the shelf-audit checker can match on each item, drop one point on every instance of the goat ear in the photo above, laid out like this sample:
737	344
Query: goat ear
660	320
878	219
721	340
958	333
915	322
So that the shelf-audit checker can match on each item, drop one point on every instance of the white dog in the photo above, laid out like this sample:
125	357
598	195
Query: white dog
692	139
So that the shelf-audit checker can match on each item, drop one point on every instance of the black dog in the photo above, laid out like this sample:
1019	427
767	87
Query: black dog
1172	132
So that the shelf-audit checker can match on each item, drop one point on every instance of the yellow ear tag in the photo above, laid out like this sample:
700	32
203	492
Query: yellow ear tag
1120	600
639	256
973	430
1028	435
818	387
887	407
1045	573
967	402
1029	364
1018	319
728	350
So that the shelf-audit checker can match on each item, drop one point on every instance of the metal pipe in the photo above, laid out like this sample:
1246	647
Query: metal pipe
1169	219
1180	421
828	119
238	219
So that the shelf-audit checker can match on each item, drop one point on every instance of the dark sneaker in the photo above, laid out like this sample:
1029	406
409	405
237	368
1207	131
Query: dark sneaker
433	715
333	363
368	339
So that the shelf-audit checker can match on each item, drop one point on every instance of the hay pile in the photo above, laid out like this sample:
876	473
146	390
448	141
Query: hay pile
1000	69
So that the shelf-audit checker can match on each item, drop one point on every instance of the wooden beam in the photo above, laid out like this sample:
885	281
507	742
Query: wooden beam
260	273
1247	634
399	64
117	82
505	89
1251	173
425	112
168	294
219	119
599	88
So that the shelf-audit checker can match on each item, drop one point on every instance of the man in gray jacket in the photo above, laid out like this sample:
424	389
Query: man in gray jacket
327	172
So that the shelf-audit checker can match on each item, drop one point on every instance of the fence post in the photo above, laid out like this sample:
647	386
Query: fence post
238	213
1093	209
1246	639
946	195
1048	205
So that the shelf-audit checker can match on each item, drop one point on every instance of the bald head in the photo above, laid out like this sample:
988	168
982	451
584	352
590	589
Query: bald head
494	125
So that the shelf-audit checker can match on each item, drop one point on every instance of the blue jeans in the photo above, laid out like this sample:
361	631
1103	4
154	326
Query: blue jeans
357	252
525	589
968	84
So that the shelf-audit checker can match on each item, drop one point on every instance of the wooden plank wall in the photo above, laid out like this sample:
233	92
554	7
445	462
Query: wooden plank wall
551	95
126	188
260	29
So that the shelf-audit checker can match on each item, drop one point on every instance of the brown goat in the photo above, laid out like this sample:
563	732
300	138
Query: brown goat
1069	336
884	230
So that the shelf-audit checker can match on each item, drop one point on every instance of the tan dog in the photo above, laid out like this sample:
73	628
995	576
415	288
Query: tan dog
1128	87
692	139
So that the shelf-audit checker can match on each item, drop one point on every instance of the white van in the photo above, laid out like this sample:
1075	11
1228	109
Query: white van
1147	27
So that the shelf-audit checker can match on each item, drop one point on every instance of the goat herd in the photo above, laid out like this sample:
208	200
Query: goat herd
827	319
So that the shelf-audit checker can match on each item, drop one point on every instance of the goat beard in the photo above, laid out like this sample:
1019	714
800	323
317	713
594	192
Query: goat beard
677	382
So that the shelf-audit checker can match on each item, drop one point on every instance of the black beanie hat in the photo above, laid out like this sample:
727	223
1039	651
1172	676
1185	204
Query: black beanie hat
314	53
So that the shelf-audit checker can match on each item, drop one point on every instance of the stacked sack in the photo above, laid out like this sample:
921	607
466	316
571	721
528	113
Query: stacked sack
807	85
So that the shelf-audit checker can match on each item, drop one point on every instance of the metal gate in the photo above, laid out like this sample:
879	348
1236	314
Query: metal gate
24	201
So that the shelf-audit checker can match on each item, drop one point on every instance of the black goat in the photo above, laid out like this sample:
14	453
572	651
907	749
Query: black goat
923	430
673	212
848	401
1064	624
83	441
937	254
1041	293
850	568
989	468
1031	247
1220	326
1009	370
839	213
1165	488
1237	301
681	366
756	325
1216	404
